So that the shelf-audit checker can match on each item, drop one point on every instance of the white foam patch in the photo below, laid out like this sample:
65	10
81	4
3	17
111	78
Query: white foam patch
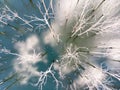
92	77
28	56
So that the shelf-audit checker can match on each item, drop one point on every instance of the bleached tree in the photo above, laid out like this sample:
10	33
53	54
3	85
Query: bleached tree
83	33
